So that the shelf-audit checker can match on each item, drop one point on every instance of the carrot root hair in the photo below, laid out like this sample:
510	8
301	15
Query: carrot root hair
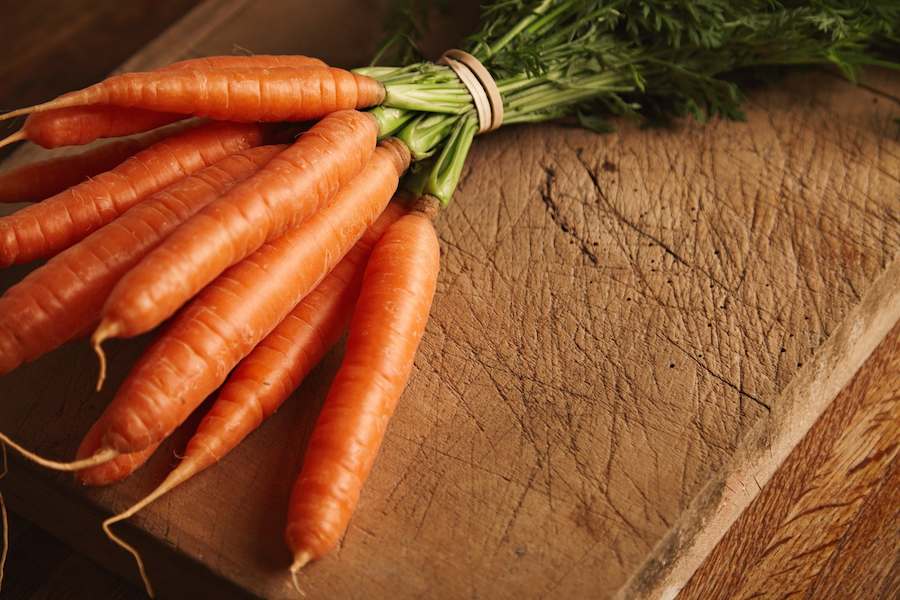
4	549
29	109
17	113
104	331
176	477
12	139
301	559
98	458
130	549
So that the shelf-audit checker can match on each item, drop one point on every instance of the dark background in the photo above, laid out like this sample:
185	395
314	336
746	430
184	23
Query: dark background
51	47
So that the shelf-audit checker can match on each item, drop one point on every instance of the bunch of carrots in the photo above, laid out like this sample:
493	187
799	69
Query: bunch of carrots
260	246
258	254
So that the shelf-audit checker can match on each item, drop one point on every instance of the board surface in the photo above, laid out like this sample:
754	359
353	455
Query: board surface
615	313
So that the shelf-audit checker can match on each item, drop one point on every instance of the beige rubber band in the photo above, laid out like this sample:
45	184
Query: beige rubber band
480	85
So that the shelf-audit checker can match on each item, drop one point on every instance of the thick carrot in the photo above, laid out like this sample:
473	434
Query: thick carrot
280	196
385	331
84	124
39	180
243	94
259	385
231	315
62	299
111	471
46	228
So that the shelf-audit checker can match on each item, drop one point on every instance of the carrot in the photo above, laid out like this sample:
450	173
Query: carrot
114	470
63	298
261	382
231	315
84	124
280	196
242	62
37	181
385	331
43	229
240	94
226	321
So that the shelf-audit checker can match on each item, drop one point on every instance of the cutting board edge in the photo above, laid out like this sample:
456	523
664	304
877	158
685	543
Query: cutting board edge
765	447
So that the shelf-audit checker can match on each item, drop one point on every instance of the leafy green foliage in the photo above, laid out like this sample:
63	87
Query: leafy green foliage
650	59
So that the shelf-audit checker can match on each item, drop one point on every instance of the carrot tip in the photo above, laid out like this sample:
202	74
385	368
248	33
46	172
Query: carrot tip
105	330
57	103
17	113
300	561
4	550
12	139
98	458
130	549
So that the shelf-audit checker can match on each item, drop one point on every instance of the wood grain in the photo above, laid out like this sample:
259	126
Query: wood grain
615	314
797	538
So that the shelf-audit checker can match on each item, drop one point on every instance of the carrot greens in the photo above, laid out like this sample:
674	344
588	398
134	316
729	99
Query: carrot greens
596	58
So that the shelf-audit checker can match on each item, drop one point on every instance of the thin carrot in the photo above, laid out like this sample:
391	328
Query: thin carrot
261	382
385	332
231	315
63	298
84	124
242	94
46	228
280	196
242	62
39	180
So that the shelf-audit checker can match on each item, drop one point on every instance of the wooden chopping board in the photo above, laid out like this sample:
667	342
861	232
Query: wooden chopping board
615	315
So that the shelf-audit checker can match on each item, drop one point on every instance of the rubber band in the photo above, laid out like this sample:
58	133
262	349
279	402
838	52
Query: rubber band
480	85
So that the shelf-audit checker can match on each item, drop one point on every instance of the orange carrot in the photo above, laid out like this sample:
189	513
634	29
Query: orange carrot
231	315
385	331
259	385
280	196
111	471
62	299
84	124
39	180
242	94
46	228
242	62
268	375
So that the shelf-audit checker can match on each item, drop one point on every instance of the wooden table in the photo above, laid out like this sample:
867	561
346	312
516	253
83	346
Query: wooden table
634	334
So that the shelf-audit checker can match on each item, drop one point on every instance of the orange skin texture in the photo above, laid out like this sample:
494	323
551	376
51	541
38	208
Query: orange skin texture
385	332
286	192
83	124
263	380
233	314
39	180
239	62
63	298
248	94
112	471
46	228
